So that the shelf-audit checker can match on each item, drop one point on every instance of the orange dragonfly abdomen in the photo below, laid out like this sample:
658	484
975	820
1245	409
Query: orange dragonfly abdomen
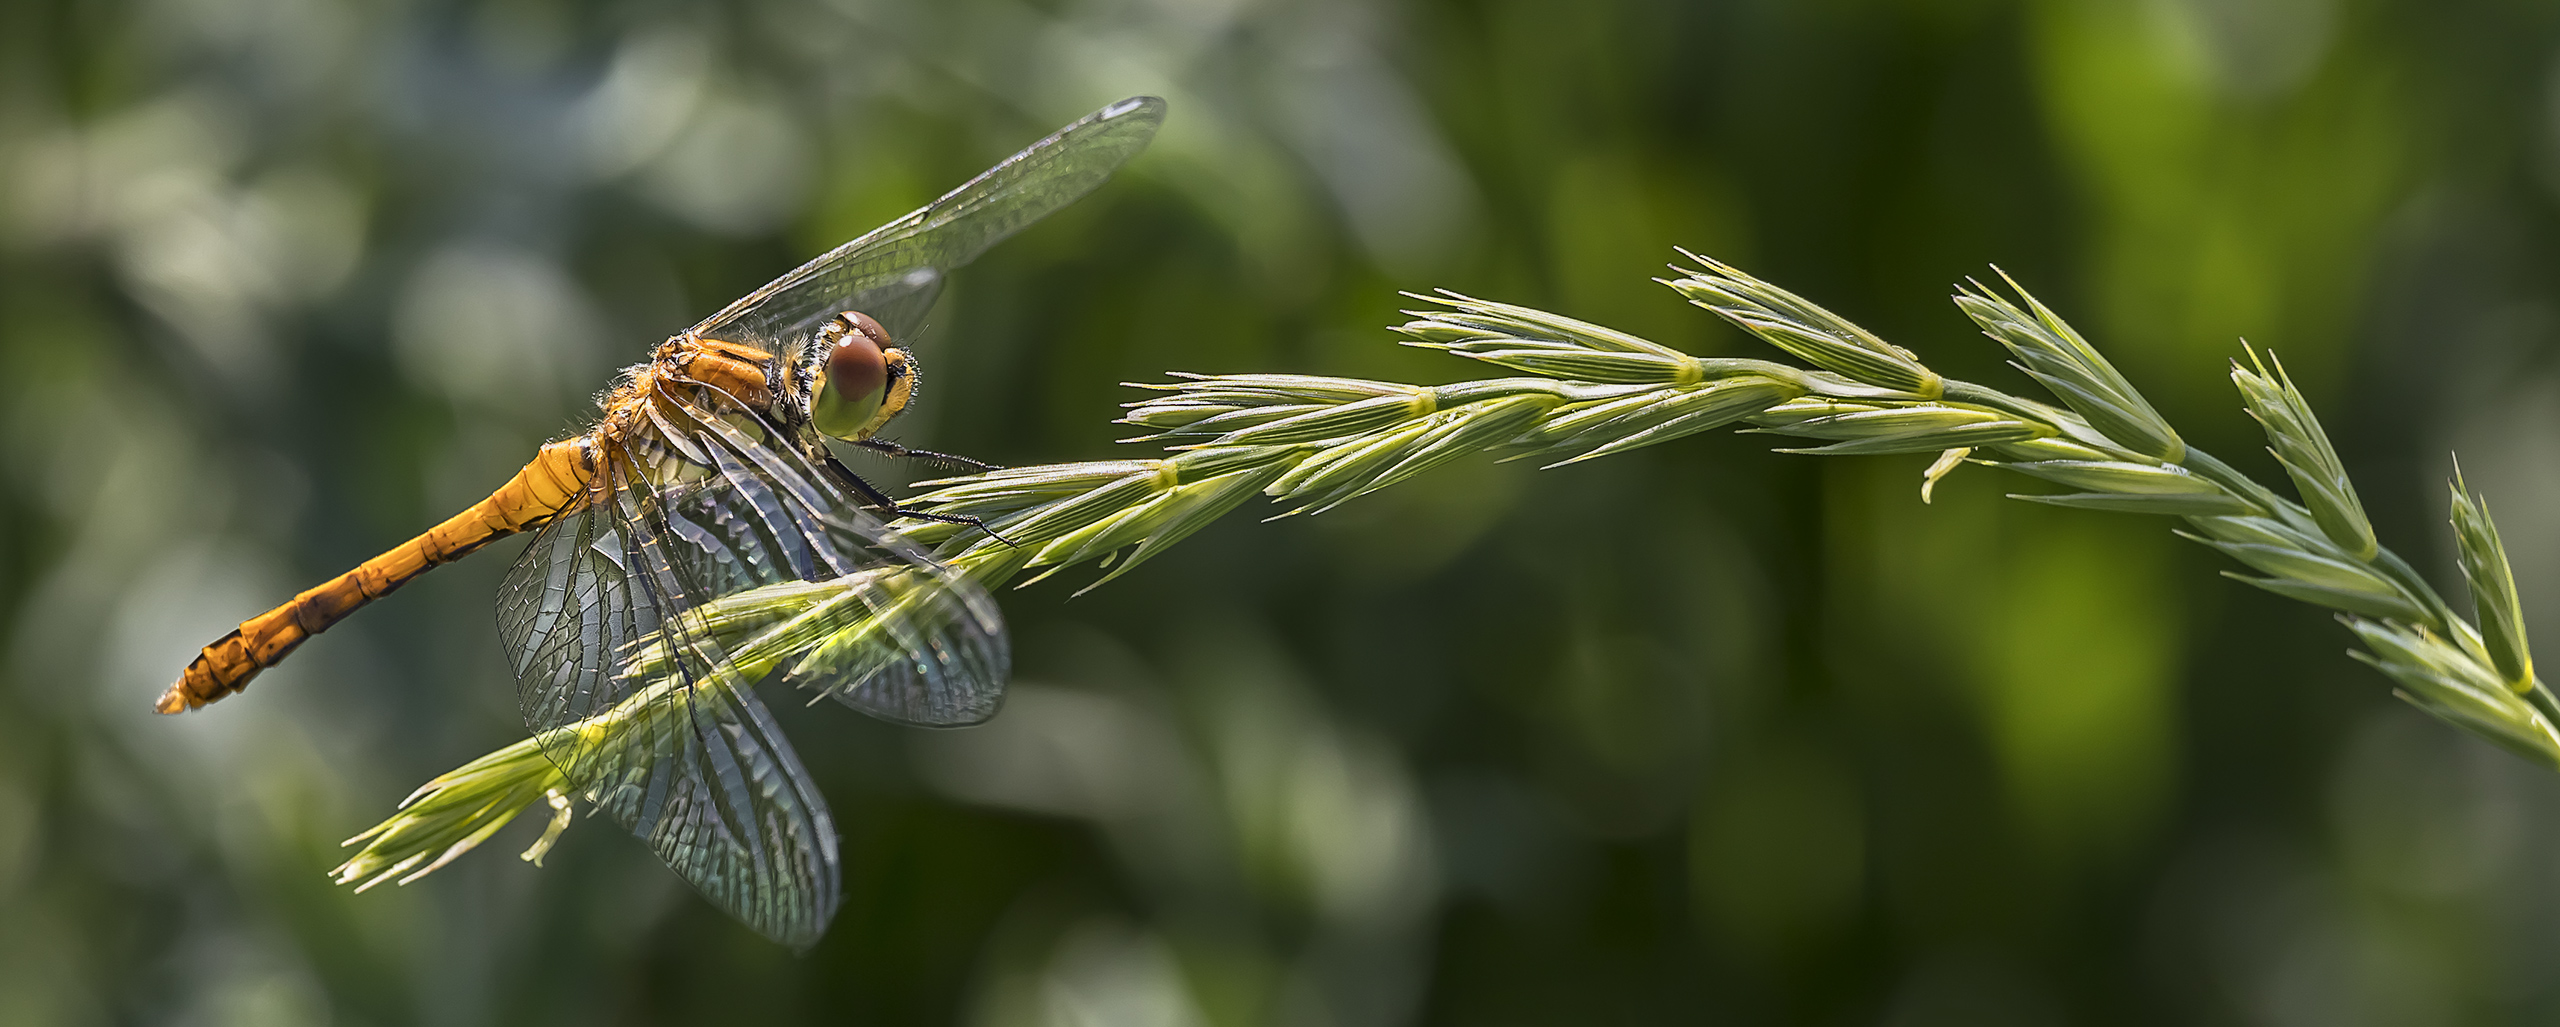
555	480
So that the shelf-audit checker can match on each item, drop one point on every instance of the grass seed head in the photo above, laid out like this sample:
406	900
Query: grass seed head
2493	587
2055	355
2295	437
1813	334
453	814
2441	678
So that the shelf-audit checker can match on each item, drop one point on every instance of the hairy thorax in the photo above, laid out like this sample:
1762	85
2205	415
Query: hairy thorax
740	384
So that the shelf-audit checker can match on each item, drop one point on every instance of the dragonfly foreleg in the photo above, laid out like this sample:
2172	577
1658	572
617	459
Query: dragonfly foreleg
944	461
872	496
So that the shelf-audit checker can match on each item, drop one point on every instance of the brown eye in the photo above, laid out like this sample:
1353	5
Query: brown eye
856	368
854	389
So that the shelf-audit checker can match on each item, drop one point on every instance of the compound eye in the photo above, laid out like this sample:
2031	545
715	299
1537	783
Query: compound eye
859	323
856	365
857	375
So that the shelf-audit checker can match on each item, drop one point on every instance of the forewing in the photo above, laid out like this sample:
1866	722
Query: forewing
894	272
674	746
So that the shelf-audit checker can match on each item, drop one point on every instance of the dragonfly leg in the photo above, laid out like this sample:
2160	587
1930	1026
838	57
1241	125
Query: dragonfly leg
871	494
945	461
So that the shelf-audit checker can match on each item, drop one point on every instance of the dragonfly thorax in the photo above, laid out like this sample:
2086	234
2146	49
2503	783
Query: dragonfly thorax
745	374
714	373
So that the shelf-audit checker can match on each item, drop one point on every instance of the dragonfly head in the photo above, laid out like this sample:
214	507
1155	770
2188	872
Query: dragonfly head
864	381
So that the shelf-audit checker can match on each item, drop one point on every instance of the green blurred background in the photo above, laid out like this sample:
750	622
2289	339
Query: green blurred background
1696	734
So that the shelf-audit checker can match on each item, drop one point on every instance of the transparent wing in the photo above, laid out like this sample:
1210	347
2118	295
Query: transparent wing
680	752
639	625
894	272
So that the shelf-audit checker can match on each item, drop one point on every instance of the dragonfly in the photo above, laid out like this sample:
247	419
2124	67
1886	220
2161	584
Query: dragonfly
708	478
